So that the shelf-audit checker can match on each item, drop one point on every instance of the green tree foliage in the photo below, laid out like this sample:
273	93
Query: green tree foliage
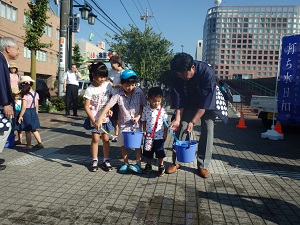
77	58
147	53
36	18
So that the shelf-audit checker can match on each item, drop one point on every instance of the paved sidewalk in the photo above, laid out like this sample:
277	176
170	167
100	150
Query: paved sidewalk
253	181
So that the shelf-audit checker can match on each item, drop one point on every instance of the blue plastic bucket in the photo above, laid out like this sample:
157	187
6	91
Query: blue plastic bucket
10	141
185	153
132	139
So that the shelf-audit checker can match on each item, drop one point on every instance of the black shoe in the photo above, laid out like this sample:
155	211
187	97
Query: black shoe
161	171
67	114
2	167
148	168
75	114
2	161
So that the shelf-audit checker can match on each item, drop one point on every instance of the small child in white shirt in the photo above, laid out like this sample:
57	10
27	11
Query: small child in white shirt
155	131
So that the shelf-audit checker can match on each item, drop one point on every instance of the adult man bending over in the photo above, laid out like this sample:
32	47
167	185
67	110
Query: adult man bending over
194	97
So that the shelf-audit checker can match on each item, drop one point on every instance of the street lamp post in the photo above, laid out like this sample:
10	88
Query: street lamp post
86	14
66	30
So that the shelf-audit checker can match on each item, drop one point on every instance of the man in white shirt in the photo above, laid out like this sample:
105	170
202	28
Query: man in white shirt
71	88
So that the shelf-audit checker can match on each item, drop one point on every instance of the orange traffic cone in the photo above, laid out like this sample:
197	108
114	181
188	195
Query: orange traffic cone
241	123
277	127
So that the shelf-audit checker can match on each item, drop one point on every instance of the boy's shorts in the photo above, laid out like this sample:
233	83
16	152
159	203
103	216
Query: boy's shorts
120	140
157	148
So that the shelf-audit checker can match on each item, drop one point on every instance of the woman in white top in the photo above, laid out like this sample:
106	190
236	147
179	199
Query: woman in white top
114	78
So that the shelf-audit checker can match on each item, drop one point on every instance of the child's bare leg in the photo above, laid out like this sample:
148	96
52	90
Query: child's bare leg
124	154
106	145
94	145
161	162
116	127
28	138
20	135
138	156
37	136
149	161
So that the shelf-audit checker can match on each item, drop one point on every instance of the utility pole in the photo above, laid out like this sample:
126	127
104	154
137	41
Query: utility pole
63	51
146	17
70	34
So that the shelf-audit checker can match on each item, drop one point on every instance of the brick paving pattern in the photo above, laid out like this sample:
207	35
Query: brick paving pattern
253	181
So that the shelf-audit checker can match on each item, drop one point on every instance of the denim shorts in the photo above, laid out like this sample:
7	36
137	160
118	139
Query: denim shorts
108	127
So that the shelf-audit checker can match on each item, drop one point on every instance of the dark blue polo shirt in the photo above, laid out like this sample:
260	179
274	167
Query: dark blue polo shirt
199	92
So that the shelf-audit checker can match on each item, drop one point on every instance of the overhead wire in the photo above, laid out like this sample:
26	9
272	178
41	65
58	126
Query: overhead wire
141	6
128	13
137	7
154	16
116	26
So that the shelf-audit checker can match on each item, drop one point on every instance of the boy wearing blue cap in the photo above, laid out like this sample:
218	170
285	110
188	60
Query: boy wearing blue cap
131	100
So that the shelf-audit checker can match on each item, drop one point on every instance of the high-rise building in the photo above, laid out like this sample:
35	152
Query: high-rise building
199	49
243	42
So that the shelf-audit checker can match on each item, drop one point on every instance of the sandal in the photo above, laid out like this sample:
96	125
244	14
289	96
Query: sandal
29	147
114	139
18	142
94	166
39	145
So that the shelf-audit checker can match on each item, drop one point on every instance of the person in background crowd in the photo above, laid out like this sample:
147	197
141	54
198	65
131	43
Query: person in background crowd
190	79
14	76
226	93
71	88
114	78
9	50
18	106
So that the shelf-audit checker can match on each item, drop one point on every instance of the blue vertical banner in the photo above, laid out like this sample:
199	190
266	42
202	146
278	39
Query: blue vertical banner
289	81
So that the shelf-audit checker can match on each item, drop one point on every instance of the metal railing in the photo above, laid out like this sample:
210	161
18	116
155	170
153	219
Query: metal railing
255	87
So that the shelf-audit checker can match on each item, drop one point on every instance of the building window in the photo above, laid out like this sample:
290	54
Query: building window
57	34
27	53
48	30
8	12
41	56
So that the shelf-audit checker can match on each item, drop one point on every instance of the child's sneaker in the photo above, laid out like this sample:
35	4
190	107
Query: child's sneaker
161	171
123	168
39	145
148	168
94	166
135	168
106	166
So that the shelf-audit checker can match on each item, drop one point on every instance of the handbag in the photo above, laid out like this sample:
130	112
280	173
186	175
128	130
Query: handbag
148	142
5	123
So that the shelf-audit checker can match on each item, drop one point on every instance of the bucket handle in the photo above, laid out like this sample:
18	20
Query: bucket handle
133	128
171	132
188	139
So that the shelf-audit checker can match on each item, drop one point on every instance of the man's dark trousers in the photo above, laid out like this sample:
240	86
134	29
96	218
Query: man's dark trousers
71	97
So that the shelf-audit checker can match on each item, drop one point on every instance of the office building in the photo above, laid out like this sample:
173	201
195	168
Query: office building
12	20
199	49
243	42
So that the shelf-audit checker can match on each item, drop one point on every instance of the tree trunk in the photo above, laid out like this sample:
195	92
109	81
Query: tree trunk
33	68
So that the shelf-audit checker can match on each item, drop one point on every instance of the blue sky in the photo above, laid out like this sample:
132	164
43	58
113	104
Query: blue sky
179	21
